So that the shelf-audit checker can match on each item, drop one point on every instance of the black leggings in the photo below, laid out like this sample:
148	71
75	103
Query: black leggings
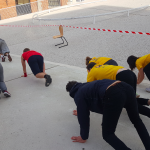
111	62
129	77
116	98
147	71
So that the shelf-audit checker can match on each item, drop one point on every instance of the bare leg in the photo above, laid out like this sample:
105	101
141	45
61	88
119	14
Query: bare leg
40	75
47	78
44	68
6	54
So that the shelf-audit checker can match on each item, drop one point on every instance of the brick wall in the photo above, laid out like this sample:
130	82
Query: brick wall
63	2
10	6
39	6
4	13
45	5
7	3
34	6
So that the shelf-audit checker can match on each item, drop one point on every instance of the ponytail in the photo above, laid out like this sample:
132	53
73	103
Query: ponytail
87	60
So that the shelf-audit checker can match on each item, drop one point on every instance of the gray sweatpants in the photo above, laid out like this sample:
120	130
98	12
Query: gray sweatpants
2	83
3	47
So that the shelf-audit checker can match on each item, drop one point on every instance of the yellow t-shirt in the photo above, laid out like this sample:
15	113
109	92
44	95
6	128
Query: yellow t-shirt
100	72
142	61
99	60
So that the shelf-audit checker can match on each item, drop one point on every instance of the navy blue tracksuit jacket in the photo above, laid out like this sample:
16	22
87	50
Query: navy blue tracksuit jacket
89	97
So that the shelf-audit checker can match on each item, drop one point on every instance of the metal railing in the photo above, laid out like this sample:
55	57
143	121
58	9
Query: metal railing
36	16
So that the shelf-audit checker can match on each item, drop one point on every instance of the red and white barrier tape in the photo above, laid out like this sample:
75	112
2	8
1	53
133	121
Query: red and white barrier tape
96	29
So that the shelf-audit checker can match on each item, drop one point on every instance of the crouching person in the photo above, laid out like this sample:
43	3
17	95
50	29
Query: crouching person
4	51
3	87
107	97
36	63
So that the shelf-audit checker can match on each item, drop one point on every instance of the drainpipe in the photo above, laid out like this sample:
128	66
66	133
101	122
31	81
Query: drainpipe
39	5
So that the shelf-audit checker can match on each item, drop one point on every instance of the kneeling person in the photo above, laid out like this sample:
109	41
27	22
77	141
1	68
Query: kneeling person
3	87
101	61
100	72
107	97
4	51
36	63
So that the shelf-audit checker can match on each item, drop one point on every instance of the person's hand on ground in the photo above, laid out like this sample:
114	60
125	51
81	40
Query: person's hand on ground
25	75
78	139
149	102
75	112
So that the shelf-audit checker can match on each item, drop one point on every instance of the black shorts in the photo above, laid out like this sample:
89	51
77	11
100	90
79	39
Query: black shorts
147	70
36	63
111	62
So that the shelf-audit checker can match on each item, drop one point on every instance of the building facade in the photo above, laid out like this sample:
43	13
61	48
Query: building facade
13	8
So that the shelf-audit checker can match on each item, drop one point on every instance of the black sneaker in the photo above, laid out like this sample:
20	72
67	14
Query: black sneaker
48	80
9	58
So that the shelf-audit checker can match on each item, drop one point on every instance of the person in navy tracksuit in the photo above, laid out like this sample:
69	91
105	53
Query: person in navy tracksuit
107	97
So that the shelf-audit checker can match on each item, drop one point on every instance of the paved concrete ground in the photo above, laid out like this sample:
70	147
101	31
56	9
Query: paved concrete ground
84	43
40	118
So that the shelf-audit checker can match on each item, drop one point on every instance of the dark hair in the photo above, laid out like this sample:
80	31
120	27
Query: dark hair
90	65
131	61
26	49
87	59
69	85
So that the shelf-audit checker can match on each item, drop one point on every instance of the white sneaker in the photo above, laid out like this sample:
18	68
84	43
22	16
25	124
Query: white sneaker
6	93
148	89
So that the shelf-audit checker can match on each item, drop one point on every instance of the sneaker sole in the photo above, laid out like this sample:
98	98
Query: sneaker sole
3	59
7	95
48	81
9	58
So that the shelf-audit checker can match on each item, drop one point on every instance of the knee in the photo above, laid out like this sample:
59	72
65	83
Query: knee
106	136
36	75
136	121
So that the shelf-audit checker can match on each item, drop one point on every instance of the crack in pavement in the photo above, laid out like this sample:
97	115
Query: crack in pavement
30	74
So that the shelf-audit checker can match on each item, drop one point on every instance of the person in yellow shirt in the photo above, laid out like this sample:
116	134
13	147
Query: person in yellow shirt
100	72
142	64
101	61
